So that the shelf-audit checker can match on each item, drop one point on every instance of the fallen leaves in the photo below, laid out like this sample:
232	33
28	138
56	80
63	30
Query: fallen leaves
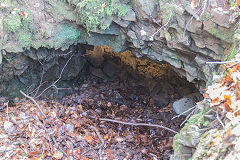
72	130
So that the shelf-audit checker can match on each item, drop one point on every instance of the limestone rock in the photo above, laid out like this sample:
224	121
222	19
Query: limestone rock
130	16
183	105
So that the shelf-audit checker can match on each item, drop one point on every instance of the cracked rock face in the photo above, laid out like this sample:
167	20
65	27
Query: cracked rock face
178	34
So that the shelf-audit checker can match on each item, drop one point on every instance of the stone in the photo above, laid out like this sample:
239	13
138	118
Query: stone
152	54
42	53
9	127
113	29
130	16
121	22
132	34
144	8
221	17
182	105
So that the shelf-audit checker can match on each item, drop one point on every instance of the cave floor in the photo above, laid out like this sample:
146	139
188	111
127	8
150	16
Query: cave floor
72	128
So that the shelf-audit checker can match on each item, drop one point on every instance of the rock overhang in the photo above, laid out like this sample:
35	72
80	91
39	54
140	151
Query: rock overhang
186	42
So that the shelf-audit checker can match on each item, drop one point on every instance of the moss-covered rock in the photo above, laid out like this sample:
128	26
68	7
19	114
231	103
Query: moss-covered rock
65	36
25	38
223	34
12	22
93	13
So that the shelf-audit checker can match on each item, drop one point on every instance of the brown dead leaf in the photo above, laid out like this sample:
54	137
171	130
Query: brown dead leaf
212	144
88	138
216	101
229	79
227	106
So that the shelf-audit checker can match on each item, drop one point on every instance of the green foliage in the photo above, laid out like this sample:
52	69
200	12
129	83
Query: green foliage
93	13
65	36
12	22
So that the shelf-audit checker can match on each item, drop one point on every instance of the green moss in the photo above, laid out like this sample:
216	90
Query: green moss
225	35
25	38
166	12
27	23
175	141
66	36
61	11
232	52
206	16
197	119
12	22
92	13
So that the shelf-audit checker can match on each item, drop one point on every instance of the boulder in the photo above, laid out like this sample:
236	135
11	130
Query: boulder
182	105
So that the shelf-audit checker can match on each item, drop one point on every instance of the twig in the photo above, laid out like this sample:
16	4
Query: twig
204	8
189	22
31	98
232	65
102	142
60	76
187	117
237	60
185	28
170	17
138	124
219	119
40	83
184	112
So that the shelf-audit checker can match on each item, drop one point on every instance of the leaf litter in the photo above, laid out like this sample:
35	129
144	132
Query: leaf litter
72	129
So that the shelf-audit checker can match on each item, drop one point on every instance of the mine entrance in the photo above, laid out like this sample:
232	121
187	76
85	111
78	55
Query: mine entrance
100	105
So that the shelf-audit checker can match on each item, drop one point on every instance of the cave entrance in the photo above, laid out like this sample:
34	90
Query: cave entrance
94	85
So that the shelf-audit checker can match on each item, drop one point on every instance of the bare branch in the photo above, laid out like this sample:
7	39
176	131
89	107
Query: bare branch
187	118
60	76
138	124
204	7
31	98
225	62
170	17
184	112
218	118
